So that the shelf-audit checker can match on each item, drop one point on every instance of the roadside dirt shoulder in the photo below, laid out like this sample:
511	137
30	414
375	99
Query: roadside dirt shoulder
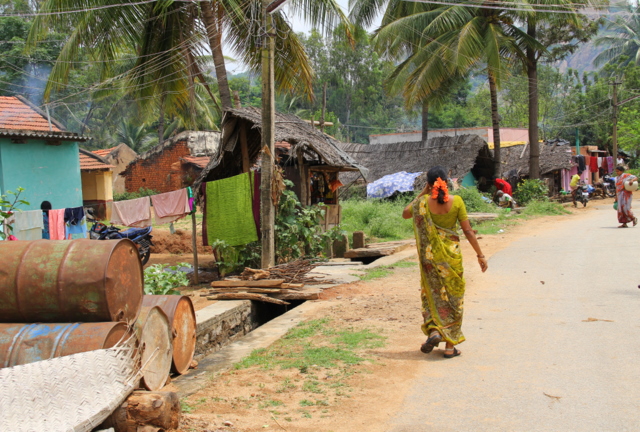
361	397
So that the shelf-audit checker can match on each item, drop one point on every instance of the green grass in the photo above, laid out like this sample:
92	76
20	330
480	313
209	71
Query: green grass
359	339
270	403
544	208
384	271
314	345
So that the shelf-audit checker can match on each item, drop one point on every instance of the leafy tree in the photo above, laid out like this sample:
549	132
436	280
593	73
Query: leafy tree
621	37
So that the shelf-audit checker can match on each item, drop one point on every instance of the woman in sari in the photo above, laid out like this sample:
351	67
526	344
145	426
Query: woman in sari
623	198
435	215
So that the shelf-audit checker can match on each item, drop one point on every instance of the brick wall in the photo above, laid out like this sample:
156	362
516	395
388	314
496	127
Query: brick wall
156	171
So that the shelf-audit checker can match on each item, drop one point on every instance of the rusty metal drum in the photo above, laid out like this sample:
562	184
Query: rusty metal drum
182	317
70	280
154	335
28	343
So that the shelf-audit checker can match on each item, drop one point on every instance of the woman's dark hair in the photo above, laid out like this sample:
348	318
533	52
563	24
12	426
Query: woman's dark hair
45	206
435	173
620	168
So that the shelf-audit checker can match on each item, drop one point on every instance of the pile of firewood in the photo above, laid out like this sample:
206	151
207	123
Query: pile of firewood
292	272
265	290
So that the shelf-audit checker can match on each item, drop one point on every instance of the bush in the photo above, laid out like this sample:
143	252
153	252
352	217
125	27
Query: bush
530	190
161	279
474	201
142	192
378	218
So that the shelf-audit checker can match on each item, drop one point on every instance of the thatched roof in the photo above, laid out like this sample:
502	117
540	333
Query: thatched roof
458	153
316	148
515	160
552	157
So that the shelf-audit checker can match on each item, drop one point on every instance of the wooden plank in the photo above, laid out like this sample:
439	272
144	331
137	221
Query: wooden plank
246	296
369	252
247	289
292	285
247	283
308	294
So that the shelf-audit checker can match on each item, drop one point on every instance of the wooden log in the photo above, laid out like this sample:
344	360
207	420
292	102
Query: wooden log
292	285
244	283
246	296
145	409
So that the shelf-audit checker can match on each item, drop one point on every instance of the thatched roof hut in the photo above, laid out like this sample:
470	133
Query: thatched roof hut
316	148
515	162
459	153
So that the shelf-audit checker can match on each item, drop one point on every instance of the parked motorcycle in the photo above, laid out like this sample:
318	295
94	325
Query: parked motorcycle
609	184
140	236
582	195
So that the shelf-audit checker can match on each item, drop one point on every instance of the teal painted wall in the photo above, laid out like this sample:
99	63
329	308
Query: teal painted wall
46	172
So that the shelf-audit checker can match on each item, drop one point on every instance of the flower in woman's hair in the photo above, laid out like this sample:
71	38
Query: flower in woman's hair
437	187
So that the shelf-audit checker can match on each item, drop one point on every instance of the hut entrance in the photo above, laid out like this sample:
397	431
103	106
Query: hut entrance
483	169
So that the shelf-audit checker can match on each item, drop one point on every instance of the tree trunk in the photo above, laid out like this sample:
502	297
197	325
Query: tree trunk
161	121
495	121
532	74
159	409
214	34
425	122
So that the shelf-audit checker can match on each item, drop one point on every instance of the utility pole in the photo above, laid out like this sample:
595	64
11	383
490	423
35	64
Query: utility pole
267	212
614	136
324	106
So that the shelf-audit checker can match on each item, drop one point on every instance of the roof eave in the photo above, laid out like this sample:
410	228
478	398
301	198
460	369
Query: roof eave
46	135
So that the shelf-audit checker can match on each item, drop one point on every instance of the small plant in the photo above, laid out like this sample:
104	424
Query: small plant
531	190
7	207
474	200
142	192
161	279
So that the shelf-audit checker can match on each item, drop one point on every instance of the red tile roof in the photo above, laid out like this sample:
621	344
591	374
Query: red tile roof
17	115
199	161
103	152
89	163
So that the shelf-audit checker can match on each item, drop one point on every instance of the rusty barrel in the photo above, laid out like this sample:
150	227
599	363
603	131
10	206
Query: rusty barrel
154	334
70	280
28	343
182	317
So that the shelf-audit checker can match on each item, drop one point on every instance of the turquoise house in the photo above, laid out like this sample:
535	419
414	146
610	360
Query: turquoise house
39	155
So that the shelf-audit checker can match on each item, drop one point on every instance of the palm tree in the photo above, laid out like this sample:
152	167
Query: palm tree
452	42
621	37
562	30
168	38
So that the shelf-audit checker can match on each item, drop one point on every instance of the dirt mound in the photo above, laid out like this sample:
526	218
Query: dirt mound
178	243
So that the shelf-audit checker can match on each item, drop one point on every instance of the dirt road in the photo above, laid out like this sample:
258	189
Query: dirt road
552	335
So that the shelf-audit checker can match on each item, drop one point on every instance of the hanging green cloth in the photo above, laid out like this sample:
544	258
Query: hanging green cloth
229	210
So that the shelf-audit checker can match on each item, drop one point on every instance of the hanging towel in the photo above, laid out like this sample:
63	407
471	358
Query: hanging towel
78	228
203	203
73	216
581	164
132	213
171	206
28	225
610	164
593	165
45	224
56	224
256	201
229	210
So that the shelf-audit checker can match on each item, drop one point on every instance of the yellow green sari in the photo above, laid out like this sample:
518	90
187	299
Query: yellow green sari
442	280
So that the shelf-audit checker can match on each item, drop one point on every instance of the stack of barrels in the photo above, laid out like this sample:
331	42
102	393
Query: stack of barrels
65	297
